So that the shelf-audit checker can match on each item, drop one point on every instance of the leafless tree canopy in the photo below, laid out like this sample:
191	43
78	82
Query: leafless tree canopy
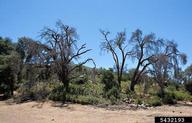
63	50
167	65
112	45
152	55
144	51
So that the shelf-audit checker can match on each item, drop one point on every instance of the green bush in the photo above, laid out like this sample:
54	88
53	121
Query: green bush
5	89
171	88
113	94
108	80
154	101
88	93
88	88
33	91
86	99
174	86
58	94
175	92
188	87
41	90
111	88
7	80
182	95
25	93
82	79
124	86
139	101
169	98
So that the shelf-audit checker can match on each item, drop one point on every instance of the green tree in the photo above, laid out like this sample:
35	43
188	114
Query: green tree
8	66
34	57
188	78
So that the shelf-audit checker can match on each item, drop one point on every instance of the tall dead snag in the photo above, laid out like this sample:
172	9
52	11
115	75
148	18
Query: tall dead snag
167	66
144	51
64	51
119	43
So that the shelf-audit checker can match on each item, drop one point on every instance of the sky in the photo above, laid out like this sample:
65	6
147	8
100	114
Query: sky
169	19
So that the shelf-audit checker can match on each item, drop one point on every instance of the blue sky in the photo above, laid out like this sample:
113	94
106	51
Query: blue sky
169	19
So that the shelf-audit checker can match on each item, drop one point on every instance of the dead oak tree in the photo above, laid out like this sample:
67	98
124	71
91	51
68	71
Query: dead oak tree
113	46
167	66
64	52
144	51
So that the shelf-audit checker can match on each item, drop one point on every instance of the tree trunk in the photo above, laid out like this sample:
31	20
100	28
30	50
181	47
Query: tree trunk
145	86
66	85
134	78
132	86
11	92
65	82
66	88
162	91
119	82
11	85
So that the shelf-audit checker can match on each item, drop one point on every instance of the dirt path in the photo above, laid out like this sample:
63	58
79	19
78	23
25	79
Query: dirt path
49	112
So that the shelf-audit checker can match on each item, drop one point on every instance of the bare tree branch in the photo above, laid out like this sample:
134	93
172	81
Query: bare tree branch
111	46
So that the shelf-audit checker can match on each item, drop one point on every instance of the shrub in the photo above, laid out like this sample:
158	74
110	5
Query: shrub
88	88
5	89
182	95
24	92
171	88
6	81
113	94
154	101
77	89
175	92
82	79
188	87
139	89
114	91
111	88
33	91
124	85
108	80
139	101
85	99
169	98
174	85
88	93
58	94
41	90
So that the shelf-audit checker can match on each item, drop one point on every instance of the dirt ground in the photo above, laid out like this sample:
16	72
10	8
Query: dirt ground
50	112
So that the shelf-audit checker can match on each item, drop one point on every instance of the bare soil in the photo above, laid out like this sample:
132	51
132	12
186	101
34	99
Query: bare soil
51	112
